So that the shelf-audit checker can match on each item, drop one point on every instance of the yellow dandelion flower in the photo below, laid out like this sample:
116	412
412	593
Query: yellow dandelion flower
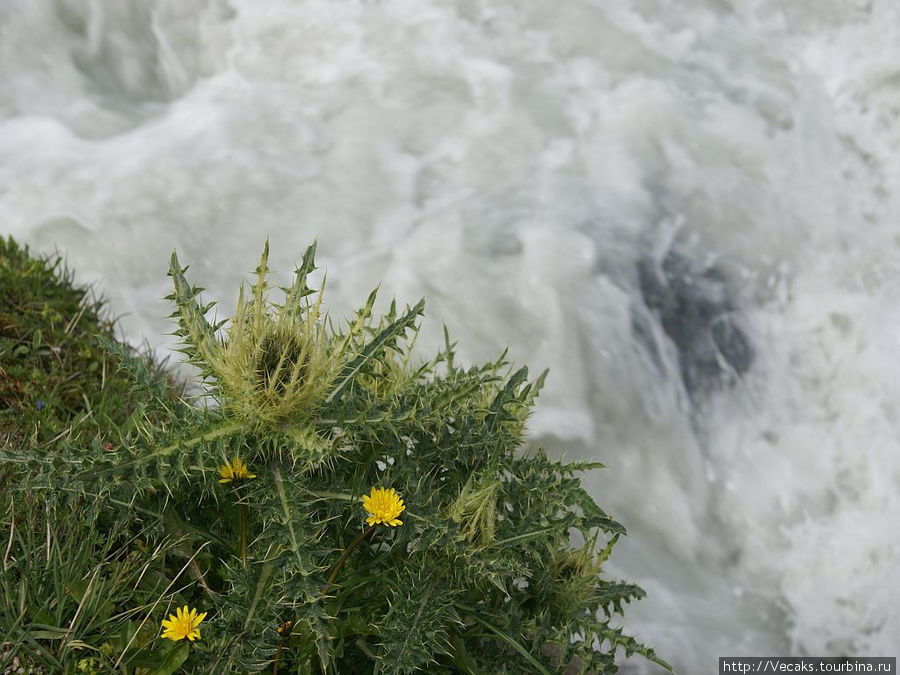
183	624
236	469
383	506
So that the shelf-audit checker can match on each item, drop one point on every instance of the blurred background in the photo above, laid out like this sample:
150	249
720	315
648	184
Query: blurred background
685	210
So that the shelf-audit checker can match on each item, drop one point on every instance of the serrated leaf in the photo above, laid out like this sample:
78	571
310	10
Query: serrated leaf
199	338
371	350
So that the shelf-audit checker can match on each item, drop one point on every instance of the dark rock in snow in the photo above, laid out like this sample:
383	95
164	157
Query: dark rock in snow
695	307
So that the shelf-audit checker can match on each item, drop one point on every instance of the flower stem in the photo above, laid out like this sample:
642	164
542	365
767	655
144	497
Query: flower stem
244	533
340	563
337	568
284	637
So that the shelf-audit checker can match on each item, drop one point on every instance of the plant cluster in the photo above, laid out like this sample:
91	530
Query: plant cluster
335	507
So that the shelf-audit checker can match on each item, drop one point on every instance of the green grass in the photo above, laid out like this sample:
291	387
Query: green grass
74	581
56	376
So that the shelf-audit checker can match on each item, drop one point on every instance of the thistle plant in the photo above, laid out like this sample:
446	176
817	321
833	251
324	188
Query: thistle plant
275	361
390	520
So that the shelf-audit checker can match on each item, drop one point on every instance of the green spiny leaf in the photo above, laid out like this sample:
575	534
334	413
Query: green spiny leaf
374	348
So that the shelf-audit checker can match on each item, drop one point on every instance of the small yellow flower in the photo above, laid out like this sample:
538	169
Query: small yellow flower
383	505
234	470
183	624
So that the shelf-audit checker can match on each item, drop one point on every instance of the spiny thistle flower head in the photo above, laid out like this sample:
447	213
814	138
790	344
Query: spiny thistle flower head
182	624
383	506
235	470
275	361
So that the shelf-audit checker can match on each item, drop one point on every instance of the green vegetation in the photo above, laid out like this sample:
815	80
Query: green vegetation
55	375
122	500
72	591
